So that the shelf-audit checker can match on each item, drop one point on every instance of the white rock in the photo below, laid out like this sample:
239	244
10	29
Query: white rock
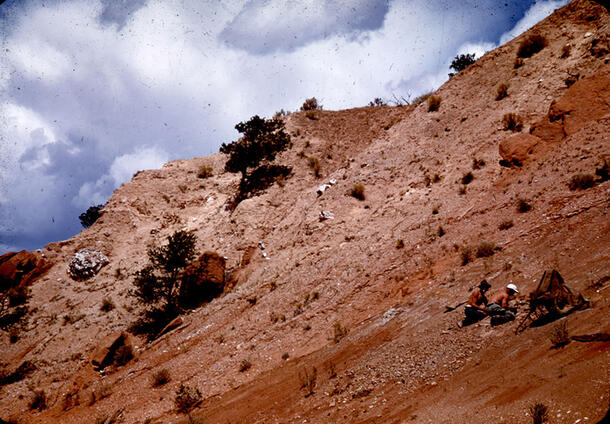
326	215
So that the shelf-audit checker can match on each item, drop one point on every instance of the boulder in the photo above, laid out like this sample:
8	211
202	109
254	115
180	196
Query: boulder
104	354
86	264
517	148
585	101
203	279
21	269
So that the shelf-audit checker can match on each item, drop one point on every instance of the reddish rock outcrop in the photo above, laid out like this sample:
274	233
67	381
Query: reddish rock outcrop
585	101
517	148
107	349
21	268
203	280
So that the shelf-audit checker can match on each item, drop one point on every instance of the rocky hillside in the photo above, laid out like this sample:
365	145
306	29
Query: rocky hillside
343	319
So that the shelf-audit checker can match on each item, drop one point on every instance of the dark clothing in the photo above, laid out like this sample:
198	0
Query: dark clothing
498	314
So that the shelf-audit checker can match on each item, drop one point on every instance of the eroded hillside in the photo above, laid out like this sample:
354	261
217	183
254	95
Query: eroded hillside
362	295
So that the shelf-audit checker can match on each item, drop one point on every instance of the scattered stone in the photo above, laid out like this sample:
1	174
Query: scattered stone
105	353
86	264
324	215
515	149
21	269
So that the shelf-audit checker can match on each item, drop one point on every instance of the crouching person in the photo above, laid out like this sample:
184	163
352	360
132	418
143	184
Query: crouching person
475	309
498	307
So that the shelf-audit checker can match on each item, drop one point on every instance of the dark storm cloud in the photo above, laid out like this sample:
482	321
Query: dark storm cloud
93	90
266	26
119	11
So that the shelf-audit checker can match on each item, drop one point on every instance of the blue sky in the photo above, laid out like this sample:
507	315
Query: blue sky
93	90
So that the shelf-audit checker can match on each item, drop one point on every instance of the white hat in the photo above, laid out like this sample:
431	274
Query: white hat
512	287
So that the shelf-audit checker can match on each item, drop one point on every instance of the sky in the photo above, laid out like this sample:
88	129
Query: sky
92	91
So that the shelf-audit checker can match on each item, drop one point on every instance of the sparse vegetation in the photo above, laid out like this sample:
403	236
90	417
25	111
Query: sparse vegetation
107	305
559	334
311	104
581	182
245	365
123	355
161	377
502	91
512	122
421	98
377	101
523	206
357	191
461	62
518	63
485	249
603	172
205	171
39	401
466	255
339	332
441	231
187	398
400	243
312	115
275	317
308	380
100	393
158	285
531	45
434	103
462	190
314	164
539	413
477	163
506	224
262	139
467	178
88	218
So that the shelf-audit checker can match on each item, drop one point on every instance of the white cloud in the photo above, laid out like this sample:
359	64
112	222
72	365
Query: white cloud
92	92
535	14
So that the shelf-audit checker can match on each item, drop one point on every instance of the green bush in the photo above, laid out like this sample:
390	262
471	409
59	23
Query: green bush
262	139
88	218
461	62
158	285
531	45
311	104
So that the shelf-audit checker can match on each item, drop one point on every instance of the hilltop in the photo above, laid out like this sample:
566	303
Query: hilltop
362	295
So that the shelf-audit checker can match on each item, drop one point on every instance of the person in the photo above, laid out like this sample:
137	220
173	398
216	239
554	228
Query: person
475	309
498	307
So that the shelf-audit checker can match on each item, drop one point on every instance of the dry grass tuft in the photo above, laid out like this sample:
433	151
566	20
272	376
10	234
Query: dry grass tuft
512	122
434	103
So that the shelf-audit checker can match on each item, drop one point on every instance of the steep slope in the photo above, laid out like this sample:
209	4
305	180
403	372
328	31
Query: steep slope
402	358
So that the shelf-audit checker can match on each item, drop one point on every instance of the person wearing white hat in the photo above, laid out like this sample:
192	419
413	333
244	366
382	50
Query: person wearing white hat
498	306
